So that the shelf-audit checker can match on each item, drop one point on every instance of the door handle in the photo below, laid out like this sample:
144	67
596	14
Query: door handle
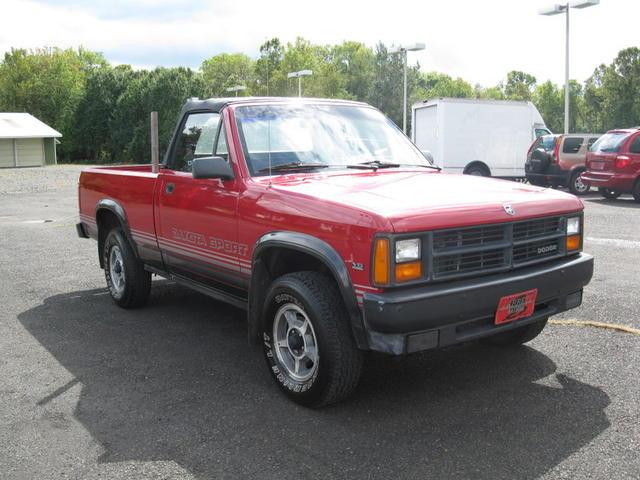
169	187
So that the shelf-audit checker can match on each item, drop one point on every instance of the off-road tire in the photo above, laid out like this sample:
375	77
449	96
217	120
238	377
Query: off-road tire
575	184
339	364
518	335
137	281
608	193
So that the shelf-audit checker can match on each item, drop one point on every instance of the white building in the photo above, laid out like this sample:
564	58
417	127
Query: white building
26	142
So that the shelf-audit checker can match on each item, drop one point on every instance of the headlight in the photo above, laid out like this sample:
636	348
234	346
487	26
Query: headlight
573	225
407	250
574	235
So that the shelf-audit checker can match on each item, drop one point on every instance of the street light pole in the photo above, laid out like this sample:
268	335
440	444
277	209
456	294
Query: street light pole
555	10
404	96
403	50
299	74
566	74
236	88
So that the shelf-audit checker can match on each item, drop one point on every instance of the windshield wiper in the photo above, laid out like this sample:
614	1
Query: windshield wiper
376	164
293	166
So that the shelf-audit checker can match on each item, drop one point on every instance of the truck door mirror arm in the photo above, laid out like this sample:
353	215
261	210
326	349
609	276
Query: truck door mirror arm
211	167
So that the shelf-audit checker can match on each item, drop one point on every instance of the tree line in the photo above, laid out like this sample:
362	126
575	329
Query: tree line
103	110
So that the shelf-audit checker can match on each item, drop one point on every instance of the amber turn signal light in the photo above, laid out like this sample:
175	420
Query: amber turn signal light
573	242
381	262
408	271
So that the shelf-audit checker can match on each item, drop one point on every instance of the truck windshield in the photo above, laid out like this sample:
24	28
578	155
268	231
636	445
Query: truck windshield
327	136
609	142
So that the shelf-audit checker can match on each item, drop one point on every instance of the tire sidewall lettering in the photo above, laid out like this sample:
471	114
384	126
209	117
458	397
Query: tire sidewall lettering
277	300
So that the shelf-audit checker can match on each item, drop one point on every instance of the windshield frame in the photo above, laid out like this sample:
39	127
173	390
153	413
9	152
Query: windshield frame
293	104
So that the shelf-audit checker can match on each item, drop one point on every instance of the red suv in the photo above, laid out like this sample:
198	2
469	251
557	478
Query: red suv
613	163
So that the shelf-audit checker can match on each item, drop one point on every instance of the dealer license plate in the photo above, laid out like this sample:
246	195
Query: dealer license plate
516	306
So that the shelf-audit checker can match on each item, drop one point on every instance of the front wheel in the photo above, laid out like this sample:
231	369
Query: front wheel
128	282
609	194
519	335
308	345
576	185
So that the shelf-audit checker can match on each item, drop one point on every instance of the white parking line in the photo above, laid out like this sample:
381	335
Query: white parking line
614	242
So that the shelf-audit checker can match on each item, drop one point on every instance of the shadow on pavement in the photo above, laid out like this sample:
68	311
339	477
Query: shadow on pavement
176	381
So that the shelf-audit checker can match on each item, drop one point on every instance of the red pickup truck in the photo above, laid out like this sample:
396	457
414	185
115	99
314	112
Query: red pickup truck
330	228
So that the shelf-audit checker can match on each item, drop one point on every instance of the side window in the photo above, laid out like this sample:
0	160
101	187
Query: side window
592	140
572	144
221	145
541	131
635	145
195	141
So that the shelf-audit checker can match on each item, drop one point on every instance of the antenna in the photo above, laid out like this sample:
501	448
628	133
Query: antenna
269	145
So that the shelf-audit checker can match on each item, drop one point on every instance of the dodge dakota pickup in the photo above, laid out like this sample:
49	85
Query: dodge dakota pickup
336	235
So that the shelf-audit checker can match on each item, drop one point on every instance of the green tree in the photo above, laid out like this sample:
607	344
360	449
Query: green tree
549	100
227	70
354	62
435	85
267	71
94	118
163	90
49	84
519	85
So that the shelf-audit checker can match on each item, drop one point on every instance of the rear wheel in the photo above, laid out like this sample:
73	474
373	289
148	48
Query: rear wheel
128	282
576	185
609	194
478	171
307	340
519	335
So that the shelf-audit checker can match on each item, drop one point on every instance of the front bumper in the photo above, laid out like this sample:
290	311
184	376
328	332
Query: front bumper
613	181
439	315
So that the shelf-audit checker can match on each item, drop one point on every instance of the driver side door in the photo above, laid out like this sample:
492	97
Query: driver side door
197	217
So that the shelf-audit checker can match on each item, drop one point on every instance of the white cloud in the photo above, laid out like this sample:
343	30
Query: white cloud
479	41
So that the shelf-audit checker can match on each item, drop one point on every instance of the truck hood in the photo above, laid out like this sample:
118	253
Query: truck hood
415	200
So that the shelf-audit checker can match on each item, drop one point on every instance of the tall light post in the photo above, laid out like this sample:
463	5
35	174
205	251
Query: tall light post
403	50
299	74
556	10
236	88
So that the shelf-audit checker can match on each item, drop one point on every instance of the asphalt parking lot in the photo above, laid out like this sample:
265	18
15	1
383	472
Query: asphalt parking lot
88	390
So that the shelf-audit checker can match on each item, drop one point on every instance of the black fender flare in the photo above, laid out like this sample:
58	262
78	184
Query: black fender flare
118	210
314	247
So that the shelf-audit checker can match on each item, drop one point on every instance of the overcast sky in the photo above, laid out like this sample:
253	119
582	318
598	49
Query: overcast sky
479	40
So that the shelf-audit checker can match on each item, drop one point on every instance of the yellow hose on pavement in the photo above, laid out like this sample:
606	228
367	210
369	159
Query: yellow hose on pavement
589	323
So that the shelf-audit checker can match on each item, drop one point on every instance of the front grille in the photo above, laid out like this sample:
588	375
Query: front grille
469	251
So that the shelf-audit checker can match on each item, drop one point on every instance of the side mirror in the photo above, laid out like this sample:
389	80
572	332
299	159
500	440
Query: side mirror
211	167
428	156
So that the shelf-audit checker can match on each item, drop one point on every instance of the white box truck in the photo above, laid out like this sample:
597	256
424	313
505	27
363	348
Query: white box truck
477	137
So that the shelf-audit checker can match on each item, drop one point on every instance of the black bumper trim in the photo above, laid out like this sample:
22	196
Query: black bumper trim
403	321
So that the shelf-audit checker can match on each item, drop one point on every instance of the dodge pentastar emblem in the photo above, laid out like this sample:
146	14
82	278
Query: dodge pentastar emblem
509	209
